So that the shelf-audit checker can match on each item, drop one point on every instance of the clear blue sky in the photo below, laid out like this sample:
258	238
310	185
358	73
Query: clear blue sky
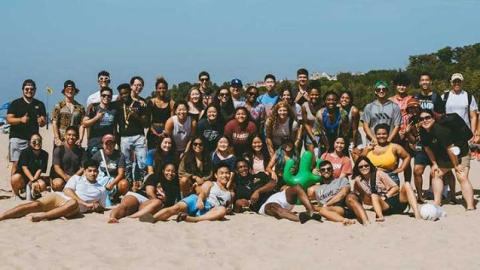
51	41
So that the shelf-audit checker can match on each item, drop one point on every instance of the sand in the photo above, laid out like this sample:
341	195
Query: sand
244	241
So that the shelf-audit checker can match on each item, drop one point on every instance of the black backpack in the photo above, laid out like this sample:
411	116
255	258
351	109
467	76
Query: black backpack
457	125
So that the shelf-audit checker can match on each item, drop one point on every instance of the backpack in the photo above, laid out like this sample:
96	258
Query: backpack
455	123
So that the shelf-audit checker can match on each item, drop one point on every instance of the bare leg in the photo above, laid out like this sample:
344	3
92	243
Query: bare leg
353	203
407	195
240	204
150	206
185	184
437	186
449	178
68	209
407	173
311	192
166	213
333	214
127	206
274	210
18	183
296	192
22	210
58	184
418	177
217	213
379	206
14	168
467	189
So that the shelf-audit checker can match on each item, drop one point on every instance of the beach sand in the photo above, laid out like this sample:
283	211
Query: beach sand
244	241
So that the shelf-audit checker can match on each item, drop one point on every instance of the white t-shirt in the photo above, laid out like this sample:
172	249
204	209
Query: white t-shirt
458	103
95	98
87	191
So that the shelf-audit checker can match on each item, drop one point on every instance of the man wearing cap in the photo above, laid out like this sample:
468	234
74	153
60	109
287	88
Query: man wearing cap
236	88
103	81
25	115
381	111
101	118
459	101
112	168
67	112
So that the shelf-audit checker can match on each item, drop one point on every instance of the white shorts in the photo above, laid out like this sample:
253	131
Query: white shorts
279	198
140	198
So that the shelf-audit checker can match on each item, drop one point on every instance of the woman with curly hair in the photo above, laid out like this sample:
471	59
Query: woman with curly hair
281	125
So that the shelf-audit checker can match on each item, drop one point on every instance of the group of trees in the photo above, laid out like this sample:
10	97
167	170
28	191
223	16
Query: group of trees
441	65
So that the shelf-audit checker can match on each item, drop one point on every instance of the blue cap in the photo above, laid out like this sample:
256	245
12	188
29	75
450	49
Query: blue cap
236	82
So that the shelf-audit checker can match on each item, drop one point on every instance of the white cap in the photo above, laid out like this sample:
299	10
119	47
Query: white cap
457	76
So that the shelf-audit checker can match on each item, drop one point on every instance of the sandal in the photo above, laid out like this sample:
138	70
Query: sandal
304	217
181	217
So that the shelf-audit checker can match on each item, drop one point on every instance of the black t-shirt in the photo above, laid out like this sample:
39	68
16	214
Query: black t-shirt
210	132
106	125
70	160
171	188
19	108
32	161
439	138
431	102
134	126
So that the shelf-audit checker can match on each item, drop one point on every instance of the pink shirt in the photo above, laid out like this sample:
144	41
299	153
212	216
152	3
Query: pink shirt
340	165
402	103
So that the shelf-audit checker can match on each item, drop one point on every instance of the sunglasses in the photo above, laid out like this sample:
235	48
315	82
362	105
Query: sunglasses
364	166
29	89
204	79
381	89
425	118
327	169
223	94
107	96
104	79
197	144
36	142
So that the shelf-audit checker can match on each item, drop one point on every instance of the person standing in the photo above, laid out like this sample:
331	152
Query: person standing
67	112
25	115
270	98
236	91
301	94
103	81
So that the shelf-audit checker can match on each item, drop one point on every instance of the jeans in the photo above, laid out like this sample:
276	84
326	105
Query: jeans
137	144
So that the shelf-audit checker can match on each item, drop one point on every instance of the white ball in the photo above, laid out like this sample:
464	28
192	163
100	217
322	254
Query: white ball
431	212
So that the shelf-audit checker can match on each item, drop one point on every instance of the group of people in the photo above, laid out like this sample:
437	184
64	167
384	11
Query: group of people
226	151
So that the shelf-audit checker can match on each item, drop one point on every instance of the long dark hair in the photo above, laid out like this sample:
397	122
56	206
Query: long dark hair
373	172
249	155
227	110
191	163
160	158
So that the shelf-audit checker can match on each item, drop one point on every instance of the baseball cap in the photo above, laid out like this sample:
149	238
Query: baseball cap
381	84
108	137
413	102
236	82
457	76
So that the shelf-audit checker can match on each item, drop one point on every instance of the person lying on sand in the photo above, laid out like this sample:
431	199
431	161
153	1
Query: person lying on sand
331	195
210	203
280	205
157	190
81	194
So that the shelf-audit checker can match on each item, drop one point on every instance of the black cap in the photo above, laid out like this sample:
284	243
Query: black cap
71	83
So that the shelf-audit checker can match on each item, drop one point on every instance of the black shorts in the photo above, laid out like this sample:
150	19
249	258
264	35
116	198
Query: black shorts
396	207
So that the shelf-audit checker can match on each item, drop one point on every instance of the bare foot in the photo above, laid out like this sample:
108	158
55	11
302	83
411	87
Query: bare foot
380	219
112	220
36	217
148	217
348	222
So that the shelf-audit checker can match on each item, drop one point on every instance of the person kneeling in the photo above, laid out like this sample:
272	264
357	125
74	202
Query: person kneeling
331	195
157	191
81	194
209	204
280	205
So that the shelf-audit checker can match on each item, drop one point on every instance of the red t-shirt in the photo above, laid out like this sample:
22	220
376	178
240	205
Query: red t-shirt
340	165
239	137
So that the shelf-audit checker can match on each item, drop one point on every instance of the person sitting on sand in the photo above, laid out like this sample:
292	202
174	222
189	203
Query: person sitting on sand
376	188
210	204
251	190
280	205
81	194
331	195
157	190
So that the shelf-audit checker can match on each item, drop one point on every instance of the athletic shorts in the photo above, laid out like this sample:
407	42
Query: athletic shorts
140	198
396	207
54	200
192	210
279	198
15	147
421	158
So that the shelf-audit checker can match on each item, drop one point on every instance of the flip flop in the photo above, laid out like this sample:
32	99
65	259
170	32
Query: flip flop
304	217
181	217
317	217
